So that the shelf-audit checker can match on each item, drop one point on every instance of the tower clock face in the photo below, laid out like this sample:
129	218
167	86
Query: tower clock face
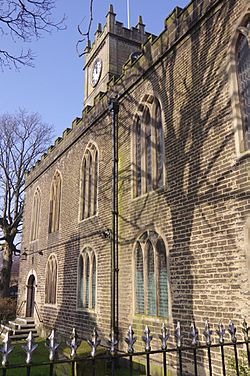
96	72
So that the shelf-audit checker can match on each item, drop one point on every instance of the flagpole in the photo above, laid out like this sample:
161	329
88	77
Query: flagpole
128	11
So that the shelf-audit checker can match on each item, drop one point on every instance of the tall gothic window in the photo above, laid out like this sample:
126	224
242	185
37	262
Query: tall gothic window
151	280
148	147
243	74
51	280
88	183
35	215
87	279
55	203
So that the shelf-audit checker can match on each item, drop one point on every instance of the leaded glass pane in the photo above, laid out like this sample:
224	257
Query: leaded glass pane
162	275
148	149
243	65
159	143
87	272
94	282
95	183
139	280
138	157
80	270
84	188
151	292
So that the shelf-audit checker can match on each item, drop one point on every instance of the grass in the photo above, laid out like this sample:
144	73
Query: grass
102	367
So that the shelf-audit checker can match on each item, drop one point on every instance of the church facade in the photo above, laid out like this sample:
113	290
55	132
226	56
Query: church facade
183	199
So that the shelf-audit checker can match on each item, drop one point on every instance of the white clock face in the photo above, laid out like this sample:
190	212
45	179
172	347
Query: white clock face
96	72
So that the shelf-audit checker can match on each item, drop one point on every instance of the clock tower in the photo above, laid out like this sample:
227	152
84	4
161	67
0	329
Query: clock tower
111	48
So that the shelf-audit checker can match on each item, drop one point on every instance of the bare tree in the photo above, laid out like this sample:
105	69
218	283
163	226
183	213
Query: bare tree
24	20
23	138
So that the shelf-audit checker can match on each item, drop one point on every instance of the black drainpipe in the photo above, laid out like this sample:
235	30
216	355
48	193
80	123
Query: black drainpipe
114	109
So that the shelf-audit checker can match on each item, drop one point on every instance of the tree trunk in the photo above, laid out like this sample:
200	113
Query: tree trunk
6	271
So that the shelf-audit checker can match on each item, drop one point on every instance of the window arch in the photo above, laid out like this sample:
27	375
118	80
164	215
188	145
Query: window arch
151	279
240	84
35	216
88	182
51	280
87	279
148	147
55	202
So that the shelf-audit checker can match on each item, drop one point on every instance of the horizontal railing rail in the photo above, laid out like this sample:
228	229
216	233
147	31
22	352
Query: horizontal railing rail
113	355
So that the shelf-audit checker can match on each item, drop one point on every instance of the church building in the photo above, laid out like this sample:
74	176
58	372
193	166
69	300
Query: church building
140	212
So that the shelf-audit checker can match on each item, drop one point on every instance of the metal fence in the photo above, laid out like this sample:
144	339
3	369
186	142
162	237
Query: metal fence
182	351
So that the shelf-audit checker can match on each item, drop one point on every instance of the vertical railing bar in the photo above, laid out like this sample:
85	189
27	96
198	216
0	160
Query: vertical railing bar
195	363
209	361
164	364
248	354
93	366
51	369
113	366
4	371
223	360
148	365
28	370
130	365
180	361
236	360
73	367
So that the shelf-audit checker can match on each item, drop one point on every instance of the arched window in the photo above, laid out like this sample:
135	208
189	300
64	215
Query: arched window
148	147
35	216
87	279
239	84
243	73
55	203
151	290
51	280
88	183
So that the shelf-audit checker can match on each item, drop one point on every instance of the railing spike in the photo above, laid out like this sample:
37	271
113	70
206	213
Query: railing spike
208	333
94	342
221	332
178	334
52	345
130	340
29	347
232	331
194	334
74	343
147	338
6	349
245	330
164	336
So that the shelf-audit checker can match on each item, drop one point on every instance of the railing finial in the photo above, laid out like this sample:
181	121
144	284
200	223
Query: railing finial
194	334
178	334
29	347
112	342
245	330
6	349
208	333
94	342
164	336
221	333
52	345
147	338
74	343
130	340
232	331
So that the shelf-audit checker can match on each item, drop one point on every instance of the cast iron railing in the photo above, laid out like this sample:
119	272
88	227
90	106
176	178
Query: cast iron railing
113	356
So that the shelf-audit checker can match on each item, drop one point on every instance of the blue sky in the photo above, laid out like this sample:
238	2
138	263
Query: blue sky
54	88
